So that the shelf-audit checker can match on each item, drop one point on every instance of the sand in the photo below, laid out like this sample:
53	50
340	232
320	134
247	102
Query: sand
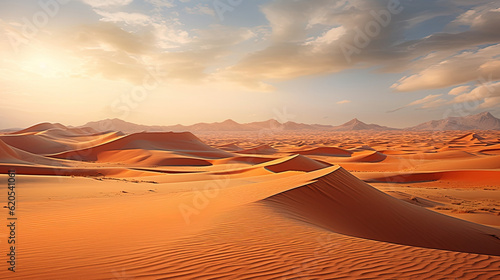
308	205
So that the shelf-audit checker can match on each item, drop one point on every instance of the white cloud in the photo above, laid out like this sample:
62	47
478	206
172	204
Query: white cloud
483	96
462	67
459	90
128	18
429	101
107	3
344	102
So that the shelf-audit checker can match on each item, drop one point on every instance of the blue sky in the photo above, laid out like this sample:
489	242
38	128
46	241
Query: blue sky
396	63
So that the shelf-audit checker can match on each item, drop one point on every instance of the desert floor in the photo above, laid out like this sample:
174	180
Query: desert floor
267	205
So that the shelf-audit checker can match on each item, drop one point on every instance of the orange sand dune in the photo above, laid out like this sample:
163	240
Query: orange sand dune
443	155
259	150
326	151
491	150
468	139
71	171
36	144
140	157
244	159
471	176
489	162
182	143
11	155
233	147
41	127
342	203
51	141
366	156
295	163
362	148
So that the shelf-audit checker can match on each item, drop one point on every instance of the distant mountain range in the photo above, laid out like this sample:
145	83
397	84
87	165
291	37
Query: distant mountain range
482	121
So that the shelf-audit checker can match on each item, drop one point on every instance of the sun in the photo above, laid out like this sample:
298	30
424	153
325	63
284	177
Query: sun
46	65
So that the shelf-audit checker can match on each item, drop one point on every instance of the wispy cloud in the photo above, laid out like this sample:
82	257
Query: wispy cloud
344	102
430	101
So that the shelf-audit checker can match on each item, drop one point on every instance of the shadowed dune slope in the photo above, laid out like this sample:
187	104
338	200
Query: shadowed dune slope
36	144
344	204
7	154
260	150
12	155
182	143
56	141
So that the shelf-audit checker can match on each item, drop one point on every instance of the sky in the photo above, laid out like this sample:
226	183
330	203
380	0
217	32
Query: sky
164	62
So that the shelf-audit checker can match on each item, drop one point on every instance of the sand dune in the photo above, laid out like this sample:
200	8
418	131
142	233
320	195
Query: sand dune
259	150
326	151
41	127
233	147
182	143
295	163
491	162
140	157
342	203
483	176
7	154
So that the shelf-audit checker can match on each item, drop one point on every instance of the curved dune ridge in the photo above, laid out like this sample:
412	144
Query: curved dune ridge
56	141
468	139
295	163
12	155
326	151
36	144
142	157
365	156
344	204
182	143
260	150
232	147
7	154
245	159
470	176
41	127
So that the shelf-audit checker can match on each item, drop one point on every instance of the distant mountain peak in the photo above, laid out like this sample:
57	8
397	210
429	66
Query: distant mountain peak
485	114
354	121
229	121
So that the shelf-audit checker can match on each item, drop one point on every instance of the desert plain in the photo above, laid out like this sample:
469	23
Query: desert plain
274	205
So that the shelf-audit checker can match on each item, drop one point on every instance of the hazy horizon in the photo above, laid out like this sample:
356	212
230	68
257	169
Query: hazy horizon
229	119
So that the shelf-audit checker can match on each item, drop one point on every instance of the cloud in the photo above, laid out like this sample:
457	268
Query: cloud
484	95
128	18
458	90
162	3
344	102
463	67
107	3
200	9
430	101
